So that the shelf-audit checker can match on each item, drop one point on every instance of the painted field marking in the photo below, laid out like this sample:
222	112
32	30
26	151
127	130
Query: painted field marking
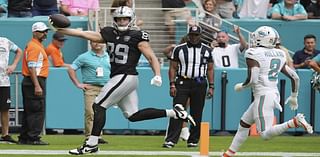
171	153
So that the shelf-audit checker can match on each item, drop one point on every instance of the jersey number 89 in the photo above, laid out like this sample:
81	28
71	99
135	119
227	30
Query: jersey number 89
118	53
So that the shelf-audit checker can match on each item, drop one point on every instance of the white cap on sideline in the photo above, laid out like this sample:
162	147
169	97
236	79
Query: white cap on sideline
39	26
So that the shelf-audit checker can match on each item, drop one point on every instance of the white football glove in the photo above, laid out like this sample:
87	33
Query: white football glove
50	23
278	106
156	81
293	100
238	87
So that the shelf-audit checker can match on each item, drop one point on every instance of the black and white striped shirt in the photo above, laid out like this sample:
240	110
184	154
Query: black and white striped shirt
192	60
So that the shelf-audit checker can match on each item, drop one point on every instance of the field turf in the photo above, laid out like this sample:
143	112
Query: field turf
308	144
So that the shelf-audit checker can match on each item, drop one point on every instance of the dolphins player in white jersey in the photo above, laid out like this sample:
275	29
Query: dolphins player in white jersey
264	63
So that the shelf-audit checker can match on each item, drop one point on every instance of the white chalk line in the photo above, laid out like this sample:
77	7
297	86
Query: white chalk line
155	153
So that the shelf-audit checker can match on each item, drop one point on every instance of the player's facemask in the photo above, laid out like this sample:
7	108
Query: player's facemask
123	12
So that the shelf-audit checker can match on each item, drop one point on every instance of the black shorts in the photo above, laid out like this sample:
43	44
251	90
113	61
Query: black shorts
5	100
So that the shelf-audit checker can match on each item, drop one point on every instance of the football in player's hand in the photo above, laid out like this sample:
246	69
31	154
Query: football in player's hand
59	21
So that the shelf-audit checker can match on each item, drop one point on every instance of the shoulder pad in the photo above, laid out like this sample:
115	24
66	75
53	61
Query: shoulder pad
141	35
251	53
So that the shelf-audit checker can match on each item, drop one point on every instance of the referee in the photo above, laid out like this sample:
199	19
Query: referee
190	72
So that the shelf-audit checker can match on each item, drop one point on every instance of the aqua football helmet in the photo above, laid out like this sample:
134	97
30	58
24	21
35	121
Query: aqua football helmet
265	36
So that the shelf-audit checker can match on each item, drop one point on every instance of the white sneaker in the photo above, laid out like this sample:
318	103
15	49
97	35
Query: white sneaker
168	144
184	135
303	123
84	149
183	114
192	145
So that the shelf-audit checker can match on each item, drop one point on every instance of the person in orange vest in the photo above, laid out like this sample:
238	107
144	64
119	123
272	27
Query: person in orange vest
35	70
54	50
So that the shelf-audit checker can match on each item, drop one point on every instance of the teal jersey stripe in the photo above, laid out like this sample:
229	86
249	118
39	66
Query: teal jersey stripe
261	117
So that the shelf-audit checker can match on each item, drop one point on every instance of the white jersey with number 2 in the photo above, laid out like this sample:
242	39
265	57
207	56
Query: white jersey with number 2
271	62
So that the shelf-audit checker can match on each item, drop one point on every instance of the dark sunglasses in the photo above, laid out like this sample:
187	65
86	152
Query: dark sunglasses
45	31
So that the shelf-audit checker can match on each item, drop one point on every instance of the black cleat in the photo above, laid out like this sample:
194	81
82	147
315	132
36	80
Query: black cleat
7	139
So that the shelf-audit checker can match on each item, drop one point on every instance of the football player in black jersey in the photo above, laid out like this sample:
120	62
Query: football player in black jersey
125	45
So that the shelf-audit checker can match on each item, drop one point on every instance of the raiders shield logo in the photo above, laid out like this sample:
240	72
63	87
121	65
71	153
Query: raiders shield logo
126	38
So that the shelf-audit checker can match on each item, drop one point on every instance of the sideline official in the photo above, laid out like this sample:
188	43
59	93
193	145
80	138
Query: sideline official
35	70
191	69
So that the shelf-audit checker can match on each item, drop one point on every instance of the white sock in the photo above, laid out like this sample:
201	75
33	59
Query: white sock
292	123
170	113
274	130
185	133
93	140
240	137
186	129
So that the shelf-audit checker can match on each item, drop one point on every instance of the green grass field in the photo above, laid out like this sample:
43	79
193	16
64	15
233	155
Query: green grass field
307	144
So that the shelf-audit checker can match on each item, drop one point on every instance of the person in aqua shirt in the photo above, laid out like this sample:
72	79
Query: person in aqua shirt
288	10
95	70
315	63
3	8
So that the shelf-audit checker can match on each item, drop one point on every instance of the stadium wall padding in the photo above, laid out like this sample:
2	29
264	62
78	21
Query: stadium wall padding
18	30
65	101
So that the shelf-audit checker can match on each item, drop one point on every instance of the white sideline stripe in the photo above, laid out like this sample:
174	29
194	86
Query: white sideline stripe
178	153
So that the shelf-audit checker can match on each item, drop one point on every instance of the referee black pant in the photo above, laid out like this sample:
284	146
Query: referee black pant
34	110
195	89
